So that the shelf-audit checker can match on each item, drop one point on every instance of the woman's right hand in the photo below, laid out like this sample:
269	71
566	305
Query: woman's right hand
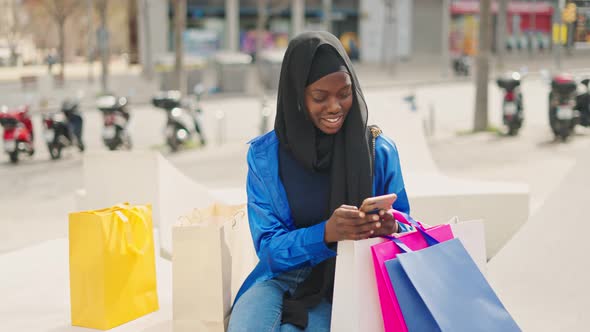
349	223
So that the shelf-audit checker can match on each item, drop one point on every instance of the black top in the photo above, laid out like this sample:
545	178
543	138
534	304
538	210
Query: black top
307	191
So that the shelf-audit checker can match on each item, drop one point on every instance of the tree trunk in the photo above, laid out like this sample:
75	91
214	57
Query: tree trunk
179	26
104	51
483	63
62	48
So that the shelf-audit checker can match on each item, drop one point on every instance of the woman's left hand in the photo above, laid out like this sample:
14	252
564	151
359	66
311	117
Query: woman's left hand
388	224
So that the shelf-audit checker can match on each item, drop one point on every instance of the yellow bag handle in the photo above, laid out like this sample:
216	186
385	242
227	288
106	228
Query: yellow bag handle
128	234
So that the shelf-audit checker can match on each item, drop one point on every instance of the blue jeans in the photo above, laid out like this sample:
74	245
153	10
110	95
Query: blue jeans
259	309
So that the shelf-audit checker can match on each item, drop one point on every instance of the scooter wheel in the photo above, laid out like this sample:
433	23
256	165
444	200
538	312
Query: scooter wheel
55	152
513	130
13	157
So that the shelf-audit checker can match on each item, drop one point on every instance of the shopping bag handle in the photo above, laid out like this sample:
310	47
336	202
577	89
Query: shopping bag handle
187	220
238	215
402	246
128	234
405	219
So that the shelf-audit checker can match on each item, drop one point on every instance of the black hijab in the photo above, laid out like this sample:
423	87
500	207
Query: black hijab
346	154
349	158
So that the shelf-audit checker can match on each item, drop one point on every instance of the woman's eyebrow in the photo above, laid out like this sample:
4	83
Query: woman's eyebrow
318	90
347	86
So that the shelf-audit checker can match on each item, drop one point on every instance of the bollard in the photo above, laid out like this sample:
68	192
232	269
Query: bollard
220	116
411	100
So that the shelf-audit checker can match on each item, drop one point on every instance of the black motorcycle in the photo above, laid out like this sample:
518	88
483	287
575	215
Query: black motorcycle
583	104
562	102
461	65
116	117
512	104
63	129
179	118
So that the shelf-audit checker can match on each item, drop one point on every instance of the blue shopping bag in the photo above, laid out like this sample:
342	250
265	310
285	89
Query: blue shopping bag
440	288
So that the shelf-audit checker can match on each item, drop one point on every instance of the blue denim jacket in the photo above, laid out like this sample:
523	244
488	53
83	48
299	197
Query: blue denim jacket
279	245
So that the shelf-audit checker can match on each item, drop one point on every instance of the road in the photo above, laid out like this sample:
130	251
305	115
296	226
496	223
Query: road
37	194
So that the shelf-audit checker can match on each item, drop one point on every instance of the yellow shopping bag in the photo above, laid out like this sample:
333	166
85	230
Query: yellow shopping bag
112	266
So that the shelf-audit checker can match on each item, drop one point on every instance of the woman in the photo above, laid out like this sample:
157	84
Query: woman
306	180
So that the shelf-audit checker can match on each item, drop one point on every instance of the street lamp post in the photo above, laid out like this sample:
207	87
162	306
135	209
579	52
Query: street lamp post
327	10
446	19
90	41
179	26
501	33
557	41
533	28
148	67
390	35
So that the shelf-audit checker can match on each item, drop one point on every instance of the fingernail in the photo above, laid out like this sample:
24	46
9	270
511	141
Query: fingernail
372	232
381	213
378	225
361	214
375	218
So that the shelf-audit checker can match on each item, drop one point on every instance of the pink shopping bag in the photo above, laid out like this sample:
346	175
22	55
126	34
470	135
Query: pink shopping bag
393	319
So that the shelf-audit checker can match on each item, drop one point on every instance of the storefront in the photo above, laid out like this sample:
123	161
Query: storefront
582	24
206	23
528	24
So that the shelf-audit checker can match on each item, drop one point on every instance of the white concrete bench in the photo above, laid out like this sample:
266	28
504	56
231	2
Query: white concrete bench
542	274
435	197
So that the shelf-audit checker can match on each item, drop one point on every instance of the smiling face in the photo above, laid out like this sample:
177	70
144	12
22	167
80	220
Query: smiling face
328	101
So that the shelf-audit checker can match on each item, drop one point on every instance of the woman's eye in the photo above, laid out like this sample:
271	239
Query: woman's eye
318	99
346	94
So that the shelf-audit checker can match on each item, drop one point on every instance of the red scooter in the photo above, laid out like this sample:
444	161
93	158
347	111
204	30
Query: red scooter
18	132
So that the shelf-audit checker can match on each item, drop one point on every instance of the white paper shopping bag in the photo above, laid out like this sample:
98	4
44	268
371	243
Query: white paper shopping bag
244	258
355	306
472	236
202	268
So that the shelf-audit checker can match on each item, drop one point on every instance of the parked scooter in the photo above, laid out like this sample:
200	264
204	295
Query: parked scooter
18	132
116	117
179	118
63	129
583	104
512	104
562	102
461	65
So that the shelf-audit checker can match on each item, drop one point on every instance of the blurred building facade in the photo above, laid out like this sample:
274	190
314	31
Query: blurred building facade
370	29
373	31
532	25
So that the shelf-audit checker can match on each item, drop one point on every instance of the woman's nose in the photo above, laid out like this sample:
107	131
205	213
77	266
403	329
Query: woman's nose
334	106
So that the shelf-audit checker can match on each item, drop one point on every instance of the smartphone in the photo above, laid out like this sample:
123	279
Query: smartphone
373	205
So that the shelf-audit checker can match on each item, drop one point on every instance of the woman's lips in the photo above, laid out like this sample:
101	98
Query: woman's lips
332	122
